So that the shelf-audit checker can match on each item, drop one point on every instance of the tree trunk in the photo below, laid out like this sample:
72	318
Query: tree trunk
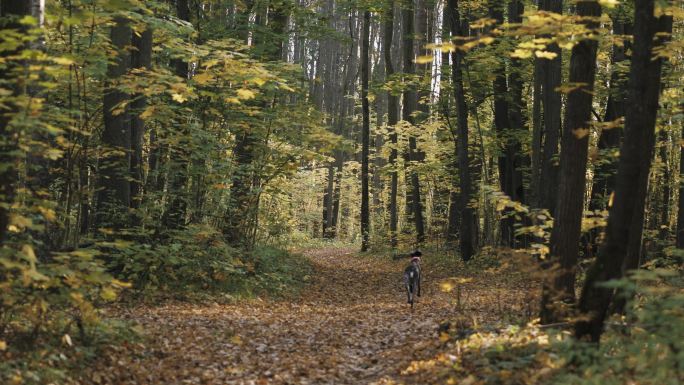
141	58
114	196
514	152
552	118
502	125
365	134
680	203
328	202
634	166
567	226
609	140
453	217
392	120
410	106
175	215
467	214
664	220
537	136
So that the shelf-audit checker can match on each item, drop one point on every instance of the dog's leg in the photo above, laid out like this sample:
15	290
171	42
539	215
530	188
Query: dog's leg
418	284
409	293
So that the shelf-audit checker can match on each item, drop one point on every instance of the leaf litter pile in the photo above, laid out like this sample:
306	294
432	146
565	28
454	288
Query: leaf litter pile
351	325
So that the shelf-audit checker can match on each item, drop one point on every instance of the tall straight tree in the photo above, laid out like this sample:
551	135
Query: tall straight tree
507	111
551	70
141	58
365	133
467	214
174	217
609	140
409	108
636	153
454	205
680	202
567	225
114	187
392	120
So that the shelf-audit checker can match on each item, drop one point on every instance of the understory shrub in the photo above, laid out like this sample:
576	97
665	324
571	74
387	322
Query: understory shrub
197	262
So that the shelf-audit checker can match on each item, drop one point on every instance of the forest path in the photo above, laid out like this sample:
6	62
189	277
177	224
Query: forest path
351	325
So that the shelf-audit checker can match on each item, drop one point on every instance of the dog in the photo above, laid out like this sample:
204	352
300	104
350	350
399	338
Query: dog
412	277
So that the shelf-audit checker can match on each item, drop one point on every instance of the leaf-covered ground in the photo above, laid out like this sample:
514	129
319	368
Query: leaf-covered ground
351	325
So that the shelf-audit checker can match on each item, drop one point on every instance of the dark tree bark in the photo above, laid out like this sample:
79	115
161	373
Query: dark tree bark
410	106
609	140
514	152
626	215
114	195
664	219
176	212
328	201
537	136
508	120
141	58
501	123
467	214
379	162
392	120
552	118
566	232
324	98
11	11
680	203
454	200
365	134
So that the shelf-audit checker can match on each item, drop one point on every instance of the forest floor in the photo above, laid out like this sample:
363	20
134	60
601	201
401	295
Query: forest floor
350	325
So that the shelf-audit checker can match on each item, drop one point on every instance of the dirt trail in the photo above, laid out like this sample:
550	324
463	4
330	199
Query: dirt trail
350	326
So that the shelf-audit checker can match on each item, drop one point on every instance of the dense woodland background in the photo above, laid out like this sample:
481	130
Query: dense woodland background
151	147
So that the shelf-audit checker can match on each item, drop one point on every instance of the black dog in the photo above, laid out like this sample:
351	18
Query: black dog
412	277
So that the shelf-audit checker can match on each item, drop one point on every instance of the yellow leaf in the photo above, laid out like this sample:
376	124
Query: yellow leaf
108	294
443	337
203	78
3	345
149	111
521	54
258	81
63	61
244	93
236	340
609	3
210	63
567	45
121	284
67	340
487	40
48	214
447	47
178	98
424	59
545	55
27	250
446	286
610	200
